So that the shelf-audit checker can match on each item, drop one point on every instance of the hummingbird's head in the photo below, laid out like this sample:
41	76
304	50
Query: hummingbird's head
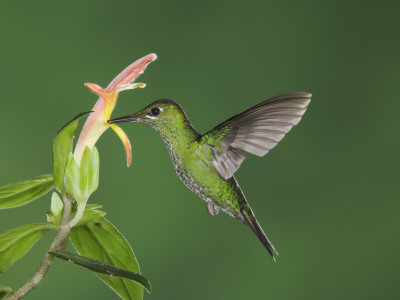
162	115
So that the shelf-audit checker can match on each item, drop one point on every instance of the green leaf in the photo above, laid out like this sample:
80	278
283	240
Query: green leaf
83	180
56	209
16	242
62	145
89	171
23	192
4	290
72	178
103	268
94	206
91	214
101	240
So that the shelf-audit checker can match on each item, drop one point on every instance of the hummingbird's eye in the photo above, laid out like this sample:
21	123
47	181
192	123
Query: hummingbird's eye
155	111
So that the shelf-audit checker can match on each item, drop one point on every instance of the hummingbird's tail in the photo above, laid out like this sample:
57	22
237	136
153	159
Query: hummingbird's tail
251	220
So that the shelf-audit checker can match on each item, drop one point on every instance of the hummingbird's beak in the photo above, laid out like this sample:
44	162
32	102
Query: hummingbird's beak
129	118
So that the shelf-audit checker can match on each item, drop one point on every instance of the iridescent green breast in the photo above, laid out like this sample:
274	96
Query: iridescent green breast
192	163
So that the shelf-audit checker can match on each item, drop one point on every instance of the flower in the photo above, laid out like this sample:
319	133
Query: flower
96	123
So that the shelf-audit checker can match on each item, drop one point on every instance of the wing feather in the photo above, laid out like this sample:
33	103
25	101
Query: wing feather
256	130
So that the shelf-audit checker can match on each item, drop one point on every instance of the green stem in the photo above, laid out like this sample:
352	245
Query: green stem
78	215
59	243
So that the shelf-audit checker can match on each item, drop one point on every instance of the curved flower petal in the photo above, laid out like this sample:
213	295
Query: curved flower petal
132	71
95	88
127	144
109	97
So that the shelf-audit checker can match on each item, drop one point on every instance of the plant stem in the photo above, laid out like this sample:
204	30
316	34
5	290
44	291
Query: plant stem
59	243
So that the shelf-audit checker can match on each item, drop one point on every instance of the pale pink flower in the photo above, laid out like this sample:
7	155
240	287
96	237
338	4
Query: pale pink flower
96	123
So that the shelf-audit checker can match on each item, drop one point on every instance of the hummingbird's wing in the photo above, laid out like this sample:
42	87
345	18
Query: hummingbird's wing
256	130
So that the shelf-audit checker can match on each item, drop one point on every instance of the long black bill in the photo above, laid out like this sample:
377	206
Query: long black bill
130	118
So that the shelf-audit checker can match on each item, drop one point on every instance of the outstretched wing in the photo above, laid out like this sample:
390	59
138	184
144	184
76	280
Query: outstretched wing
256	130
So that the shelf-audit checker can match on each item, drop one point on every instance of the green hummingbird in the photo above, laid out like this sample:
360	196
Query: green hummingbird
206	163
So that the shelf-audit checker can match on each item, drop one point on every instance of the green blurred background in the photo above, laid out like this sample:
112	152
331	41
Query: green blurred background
327	195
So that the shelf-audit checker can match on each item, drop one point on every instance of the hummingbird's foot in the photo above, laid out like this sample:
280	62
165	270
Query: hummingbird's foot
212	208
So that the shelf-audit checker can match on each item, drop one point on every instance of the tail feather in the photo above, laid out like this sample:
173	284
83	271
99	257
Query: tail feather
250	220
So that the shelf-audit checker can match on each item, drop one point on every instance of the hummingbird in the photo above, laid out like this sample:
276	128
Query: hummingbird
206	163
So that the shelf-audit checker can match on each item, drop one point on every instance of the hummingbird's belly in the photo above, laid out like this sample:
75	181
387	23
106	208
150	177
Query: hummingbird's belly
204	180
210	187
184	175
191	183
